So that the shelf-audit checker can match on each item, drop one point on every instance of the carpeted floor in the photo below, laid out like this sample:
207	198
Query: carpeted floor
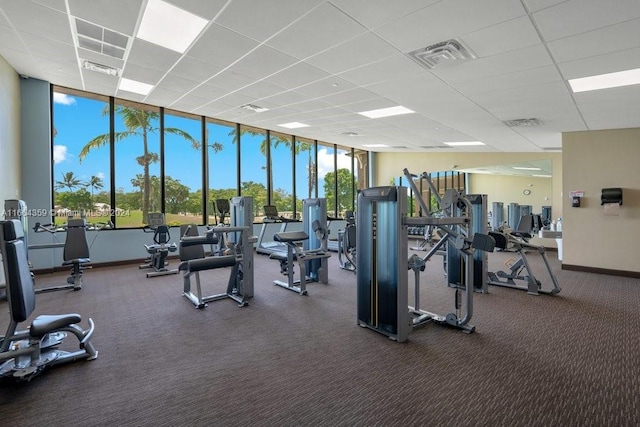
290	360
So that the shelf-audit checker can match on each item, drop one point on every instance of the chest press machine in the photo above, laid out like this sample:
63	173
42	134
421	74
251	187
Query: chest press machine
238	255
307	247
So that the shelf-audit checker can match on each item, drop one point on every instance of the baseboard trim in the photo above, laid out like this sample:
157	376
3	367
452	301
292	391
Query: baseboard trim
607	271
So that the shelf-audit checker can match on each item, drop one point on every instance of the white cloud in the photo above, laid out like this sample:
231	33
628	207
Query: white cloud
325	162
63	98
59	153
100	175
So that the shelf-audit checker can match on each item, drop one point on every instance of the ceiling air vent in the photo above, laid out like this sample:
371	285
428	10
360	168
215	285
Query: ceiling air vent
101	40
552	148
450	51
433	147
400	147
523	123
100	68
350	134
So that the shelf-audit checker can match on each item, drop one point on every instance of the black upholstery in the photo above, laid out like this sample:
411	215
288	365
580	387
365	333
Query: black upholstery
189	252
208	263
500	239
22	296
76	248
46	323
290	236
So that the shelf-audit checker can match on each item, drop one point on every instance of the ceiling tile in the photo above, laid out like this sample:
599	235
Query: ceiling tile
302	38
117	15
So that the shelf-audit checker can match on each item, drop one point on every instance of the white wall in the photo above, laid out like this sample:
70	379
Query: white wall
593	161
9	136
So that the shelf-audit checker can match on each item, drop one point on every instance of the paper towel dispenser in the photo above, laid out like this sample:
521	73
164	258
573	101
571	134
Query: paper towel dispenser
611	195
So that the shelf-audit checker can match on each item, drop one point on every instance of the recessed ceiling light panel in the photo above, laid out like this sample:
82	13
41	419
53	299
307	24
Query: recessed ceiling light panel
463	143
169	26
293	125
135	86
386	112
606	81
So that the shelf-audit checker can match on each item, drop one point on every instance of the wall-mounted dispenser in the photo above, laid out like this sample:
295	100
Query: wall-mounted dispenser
611	195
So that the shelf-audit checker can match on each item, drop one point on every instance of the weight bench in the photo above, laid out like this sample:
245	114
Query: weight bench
293	240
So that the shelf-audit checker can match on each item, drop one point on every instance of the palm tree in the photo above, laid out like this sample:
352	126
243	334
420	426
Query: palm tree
69	181
95	182
139	123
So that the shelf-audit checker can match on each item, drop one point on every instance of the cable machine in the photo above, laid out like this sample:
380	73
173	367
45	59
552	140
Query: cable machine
383	263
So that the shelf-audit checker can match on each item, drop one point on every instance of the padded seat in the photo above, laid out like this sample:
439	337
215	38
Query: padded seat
76	261
501	239
282	256
208	263
290	236
46	323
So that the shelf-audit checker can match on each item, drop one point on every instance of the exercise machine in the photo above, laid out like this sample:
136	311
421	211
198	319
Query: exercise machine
347	243
26	353
75	254
272	221
383	262
238	255
160	249
520	275
307	248
222	210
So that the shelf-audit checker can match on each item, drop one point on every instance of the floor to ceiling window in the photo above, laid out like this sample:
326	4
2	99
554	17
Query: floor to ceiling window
282	173
182	168
306	171
121	160
222	157
253	167
81	162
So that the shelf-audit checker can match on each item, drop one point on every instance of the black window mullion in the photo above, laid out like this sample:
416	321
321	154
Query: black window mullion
205	170
162	189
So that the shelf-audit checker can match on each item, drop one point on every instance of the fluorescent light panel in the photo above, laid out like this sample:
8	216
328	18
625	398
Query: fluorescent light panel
386	112
375	145
526	169
463	143
135	86
293	125
169	26
606	81
542	176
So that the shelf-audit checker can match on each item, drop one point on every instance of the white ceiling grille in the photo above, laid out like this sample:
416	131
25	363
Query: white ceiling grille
100	68
523	123
450	51
101	40
432	147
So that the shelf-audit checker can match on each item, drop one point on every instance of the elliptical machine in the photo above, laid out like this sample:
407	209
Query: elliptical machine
160	249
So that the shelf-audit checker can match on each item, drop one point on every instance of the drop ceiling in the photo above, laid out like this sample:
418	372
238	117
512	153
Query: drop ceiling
321	62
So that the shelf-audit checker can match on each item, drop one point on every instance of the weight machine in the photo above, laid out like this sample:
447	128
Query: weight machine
383	262
237	254
307	247
160	249
520	275
25	353
272	220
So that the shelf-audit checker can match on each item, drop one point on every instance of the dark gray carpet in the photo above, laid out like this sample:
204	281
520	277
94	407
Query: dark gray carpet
288	360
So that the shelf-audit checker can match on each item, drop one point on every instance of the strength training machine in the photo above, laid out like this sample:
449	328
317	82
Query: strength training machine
520	275
238	254
383	262
272	221
160	249
25	353
307	247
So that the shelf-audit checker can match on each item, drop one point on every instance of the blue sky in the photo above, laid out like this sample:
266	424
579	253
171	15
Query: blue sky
78	120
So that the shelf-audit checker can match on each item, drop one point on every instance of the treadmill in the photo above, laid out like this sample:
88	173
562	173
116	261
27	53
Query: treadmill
272	223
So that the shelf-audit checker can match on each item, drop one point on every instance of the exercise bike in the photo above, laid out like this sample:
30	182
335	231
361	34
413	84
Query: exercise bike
160	249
